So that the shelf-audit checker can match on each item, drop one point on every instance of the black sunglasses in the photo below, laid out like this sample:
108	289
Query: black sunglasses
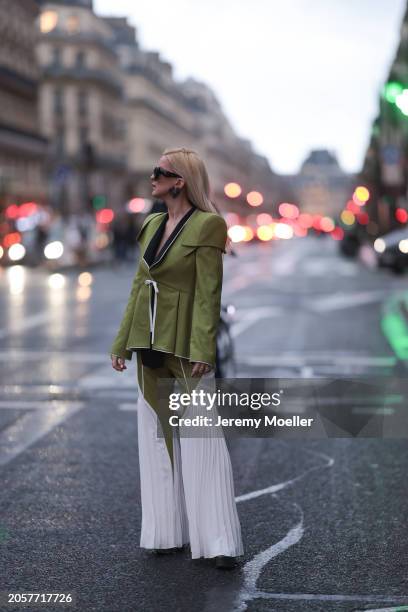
157	171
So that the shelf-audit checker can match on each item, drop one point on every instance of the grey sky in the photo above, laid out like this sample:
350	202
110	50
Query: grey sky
291	74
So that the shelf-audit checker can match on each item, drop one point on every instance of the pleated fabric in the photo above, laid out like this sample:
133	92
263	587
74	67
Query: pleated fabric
164	516
194	502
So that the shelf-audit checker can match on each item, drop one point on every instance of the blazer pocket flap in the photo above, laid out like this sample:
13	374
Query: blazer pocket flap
192	245
188	247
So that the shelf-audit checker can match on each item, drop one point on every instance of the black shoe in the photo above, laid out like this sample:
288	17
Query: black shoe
223	562
167	551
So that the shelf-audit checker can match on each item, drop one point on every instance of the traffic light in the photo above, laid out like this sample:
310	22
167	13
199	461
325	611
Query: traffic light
392	90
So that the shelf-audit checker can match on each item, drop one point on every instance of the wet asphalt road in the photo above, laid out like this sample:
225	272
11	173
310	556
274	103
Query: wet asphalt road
324	521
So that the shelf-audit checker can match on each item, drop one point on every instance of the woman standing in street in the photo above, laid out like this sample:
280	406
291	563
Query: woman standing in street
171	322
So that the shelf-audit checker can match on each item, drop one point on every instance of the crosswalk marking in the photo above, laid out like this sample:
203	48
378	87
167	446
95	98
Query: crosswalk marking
106	377
250	316
69	356
128	407
22	324
24	404
300	359
341	300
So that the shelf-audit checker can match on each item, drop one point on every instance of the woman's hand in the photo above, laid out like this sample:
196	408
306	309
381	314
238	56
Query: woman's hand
200	368
118	363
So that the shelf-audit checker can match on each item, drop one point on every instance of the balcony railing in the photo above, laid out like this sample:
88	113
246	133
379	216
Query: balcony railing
84	74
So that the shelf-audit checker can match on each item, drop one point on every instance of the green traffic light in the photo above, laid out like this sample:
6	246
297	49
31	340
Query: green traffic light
392	90
99	201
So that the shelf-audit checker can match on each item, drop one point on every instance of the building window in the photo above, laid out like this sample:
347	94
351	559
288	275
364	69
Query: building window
58	101
56	56
80	59
82	102
60	142
48	21
73	24
83	136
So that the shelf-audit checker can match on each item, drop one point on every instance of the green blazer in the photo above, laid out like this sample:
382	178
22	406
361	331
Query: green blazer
186	282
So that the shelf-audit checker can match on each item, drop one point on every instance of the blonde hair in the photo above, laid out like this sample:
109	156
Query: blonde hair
191	167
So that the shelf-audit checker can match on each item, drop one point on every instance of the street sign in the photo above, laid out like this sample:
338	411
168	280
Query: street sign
391	165
61	174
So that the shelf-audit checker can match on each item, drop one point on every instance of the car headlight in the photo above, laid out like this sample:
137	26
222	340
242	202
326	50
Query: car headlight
379	245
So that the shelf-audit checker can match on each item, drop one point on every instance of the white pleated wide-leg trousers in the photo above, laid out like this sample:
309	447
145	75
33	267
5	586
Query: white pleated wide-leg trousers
193	502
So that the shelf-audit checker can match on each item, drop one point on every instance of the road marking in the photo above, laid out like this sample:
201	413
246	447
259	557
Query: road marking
299	359
75	357
33	426
323	597
318	266
329	462
372	410
22	324
24	405
252	569
342	300
251	316
128	407
106	376
399	609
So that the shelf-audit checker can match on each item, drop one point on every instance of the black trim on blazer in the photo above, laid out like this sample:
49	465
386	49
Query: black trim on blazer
150	256
150	357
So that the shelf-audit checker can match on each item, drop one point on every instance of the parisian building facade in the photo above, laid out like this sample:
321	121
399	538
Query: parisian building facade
82	108
109	109
22	147
385	167
321	187
162	112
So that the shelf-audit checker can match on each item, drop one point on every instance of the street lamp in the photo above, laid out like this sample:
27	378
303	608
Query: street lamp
254	198
232	190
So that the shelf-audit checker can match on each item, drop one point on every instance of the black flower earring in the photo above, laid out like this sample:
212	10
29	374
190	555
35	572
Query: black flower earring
174	191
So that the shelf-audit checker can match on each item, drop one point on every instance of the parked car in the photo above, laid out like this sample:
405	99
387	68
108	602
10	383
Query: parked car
350	245
392	250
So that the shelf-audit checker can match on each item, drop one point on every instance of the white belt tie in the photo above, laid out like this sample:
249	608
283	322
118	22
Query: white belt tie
152	316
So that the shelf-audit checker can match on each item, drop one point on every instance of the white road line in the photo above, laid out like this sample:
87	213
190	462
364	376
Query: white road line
24	405
252	316
252	569
319	266
399	609
325	359
106	376
283	485
319	597
372	410
128	407
32	426
75	357
22	324
342	300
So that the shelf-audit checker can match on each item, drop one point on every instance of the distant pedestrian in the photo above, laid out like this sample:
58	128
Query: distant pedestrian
120	237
